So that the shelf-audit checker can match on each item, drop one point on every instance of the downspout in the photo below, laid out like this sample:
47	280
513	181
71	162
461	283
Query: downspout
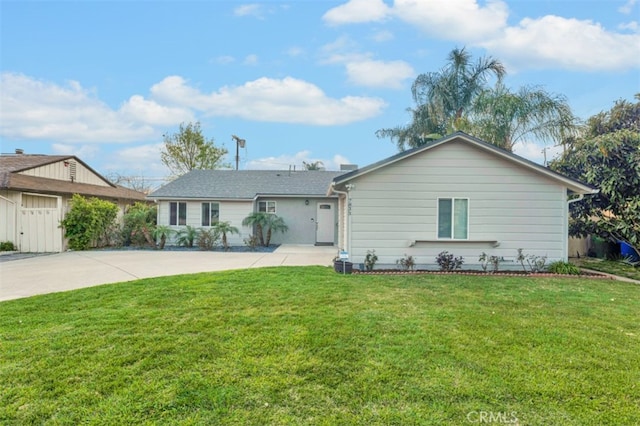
346	213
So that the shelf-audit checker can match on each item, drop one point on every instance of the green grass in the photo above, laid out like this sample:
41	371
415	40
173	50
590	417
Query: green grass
308	346
615	267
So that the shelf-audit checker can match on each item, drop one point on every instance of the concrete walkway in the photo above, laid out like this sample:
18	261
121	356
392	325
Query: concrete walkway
72	270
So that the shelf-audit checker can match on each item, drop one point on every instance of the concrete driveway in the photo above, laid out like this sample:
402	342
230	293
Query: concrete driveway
71	270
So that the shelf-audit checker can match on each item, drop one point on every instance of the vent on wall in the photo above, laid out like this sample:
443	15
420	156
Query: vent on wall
72	171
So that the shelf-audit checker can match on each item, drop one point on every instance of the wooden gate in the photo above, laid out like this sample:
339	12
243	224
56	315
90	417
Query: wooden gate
40	231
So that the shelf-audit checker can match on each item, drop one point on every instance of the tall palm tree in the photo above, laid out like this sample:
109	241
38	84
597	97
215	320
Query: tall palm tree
452	90
504	118
443	99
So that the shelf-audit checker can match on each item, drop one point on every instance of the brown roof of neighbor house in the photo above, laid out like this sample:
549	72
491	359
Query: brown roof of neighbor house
10	178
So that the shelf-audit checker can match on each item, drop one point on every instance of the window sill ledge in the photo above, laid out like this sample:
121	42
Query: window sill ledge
493	243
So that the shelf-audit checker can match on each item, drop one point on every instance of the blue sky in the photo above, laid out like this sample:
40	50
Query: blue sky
298	80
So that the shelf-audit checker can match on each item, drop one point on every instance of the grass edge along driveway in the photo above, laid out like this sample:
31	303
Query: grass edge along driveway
304	345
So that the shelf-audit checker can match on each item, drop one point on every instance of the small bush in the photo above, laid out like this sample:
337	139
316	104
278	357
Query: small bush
407	263
7	246
370	260
565	268
535	263
448	262
208	238
252	241
486	260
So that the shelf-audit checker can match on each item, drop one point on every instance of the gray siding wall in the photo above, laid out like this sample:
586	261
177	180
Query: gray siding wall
301	219
397	205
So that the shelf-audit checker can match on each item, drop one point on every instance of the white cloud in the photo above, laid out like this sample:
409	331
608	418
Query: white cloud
554	41
286	100
627	8
35	109
253	9
379	73
225	59
286	161
85	152
141	110
143	160
295	51
361	69
356	11
382	36
542	42
462	20
251	60
630	26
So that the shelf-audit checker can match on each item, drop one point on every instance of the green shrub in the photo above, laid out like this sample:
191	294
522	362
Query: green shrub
139	223
564	268
208	238
7	246
89	222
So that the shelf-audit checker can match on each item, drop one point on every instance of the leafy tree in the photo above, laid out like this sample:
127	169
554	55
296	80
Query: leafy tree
89	222
607	156
503	118
223	229
314	165
265	221
188	150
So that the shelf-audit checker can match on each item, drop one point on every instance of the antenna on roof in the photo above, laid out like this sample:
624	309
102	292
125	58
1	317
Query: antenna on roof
239	144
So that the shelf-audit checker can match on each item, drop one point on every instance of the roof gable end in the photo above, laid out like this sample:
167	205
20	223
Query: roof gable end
572	184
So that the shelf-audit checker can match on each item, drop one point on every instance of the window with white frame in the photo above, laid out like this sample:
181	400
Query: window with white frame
177	213
453	218
267	206
210	214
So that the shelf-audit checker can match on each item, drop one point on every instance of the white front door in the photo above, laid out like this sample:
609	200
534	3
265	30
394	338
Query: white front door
325	223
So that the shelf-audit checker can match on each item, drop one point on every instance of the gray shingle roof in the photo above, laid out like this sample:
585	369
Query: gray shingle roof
246	184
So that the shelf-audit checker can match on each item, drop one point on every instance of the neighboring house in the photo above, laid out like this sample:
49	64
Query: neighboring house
34	194
201	198
458	194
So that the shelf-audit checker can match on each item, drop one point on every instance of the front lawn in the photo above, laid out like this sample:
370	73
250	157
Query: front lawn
304	345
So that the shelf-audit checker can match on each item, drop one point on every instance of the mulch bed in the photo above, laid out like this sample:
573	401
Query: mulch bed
480	273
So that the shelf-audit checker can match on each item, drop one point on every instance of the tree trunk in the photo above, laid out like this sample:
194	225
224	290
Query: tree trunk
259	231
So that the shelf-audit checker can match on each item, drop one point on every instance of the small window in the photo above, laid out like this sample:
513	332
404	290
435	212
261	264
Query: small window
325	206
177	213
267	206
210	214
453	218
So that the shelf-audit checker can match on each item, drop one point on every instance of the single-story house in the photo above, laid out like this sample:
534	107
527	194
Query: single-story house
457	194
201	198
35	191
